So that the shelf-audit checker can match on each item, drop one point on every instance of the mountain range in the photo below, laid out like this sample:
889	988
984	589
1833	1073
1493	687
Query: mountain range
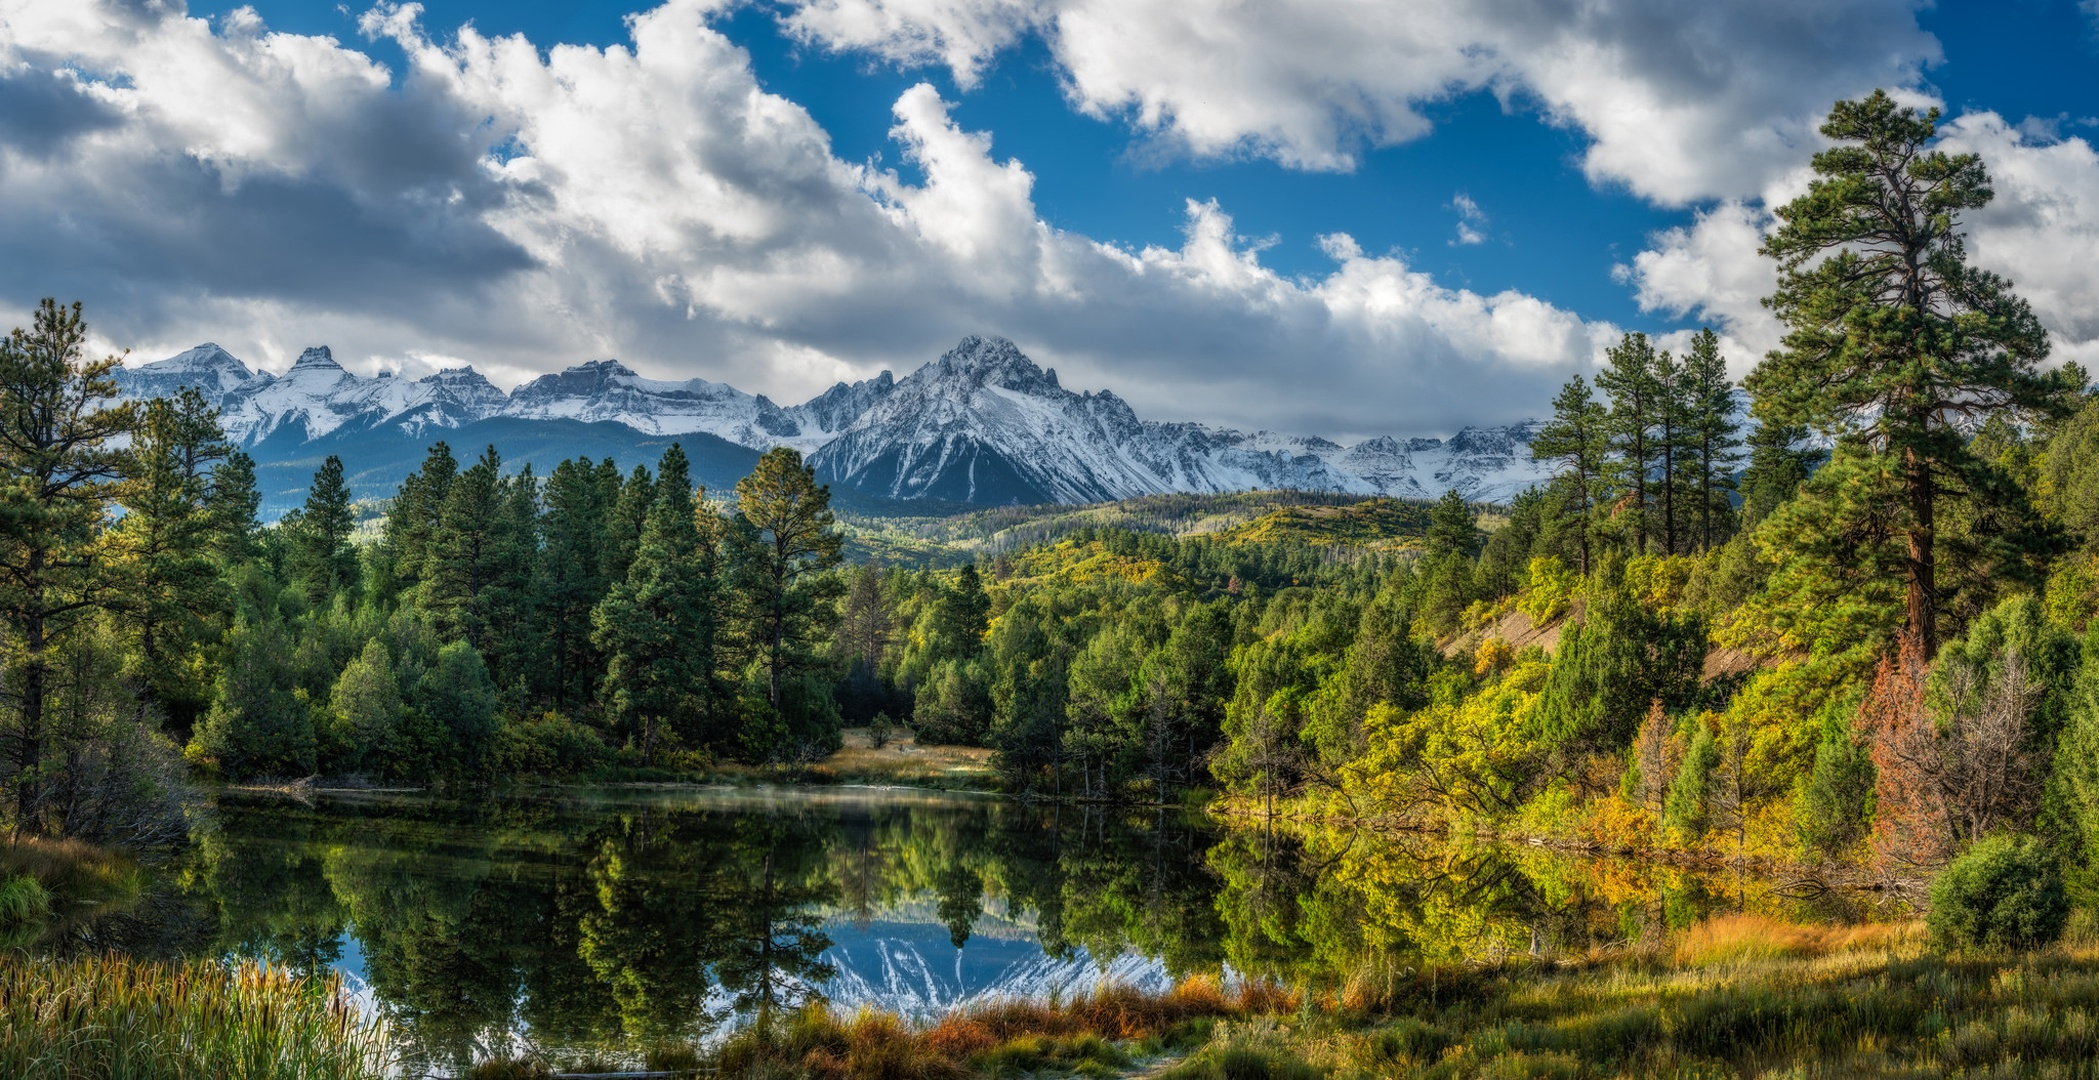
981	425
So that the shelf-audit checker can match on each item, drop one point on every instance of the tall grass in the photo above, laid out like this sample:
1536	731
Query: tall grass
1102	1033
1738	996
120	1019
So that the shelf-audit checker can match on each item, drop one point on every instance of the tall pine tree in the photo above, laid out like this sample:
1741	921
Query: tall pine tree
1636	407
1578	439
1896	346
1711	436
60	425
657	627
781	547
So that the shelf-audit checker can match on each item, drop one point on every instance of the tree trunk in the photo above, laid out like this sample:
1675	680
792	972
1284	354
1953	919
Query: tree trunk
1923	586
30	749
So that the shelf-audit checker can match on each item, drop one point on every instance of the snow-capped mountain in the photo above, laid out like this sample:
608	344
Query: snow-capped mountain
211	370
982	424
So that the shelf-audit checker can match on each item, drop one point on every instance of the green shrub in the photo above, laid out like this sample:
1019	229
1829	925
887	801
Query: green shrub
549	745
2005	892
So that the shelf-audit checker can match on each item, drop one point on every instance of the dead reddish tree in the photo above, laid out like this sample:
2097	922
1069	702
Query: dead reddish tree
1909	829
1952	758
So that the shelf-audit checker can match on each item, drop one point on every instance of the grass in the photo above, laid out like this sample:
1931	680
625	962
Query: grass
119	1018
50	883
1100	1034
903	762
1739	996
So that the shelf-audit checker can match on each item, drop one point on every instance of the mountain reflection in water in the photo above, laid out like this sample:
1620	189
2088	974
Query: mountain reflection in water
599	923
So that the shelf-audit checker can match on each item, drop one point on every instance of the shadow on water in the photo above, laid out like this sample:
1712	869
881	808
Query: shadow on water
593	925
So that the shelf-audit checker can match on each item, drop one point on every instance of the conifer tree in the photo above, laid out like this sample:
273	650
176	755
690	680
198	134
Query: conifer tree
865	626
1636	408
1778	464
963	614
781	545
173	594
570	578
1895	345
478	565
233	501
412	519
1712	434
657	627
1578	439
1672	423
257	726
59	425
323	561
630	514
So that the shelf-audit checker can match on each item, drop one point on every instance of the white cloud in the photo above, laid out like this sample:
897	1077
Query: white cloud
1681	102
1471	220
522	209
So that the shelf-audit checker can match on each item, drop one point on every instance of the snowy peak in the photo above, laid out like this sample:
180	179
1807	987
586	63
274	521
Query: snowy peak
990	361
983	423
317	358
207	368
608	390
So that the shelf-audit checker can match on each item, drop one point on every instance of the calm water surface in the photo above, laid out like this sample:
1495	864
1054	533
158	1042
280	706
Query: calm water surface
596	923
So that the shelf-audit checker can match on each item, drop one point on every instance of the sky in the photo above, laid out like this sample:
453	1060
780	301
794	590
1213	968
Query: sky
1335	217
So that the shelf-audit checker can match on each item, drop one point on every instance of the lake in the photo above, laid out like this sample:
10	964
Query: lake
593	923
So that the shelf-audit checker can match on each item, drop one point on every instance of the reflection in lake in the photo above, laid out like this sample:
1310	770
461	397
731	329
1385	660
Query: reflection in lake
605	922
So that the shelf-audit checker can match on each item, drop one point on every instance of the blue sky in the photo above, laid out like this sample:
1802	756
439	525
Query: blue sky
1517	190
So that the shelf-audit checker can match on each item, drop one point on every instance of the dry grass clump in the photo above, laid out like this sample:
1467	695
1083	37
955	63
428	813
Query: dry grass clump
1730	939
120	1018
1092	1034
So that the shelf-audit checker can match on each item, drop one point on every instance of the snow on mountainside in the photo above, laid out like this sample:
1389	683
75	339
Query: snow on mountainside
982	424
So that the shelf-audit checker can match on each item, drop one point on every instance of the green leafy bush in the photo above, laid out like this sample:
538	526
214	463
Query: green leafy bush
2005	892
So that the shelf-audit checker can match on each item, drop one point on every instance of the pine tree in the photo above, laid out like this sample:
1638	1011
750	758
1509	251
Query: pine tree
962	616
657	627
1672	423
173	595
1778	465
412	519
866	626
570	578
323	561
233	502
478	564
1689	806
781	546
257	726
1578	438
1636	408
1712	434
60	425
630	514
1895	345
1453	530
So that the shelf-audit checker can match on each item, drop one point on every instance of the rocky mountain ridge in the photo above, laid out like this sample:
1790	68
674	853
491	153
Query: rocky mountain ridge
982	424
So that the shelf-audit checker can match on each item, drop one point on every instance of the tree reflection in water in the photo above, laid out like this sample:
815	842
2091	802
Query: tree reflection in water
603	926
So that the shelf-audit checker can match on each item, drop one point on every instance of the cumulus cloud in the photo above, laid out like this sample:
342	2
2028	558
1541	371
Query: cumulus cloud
1681	102
522	207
